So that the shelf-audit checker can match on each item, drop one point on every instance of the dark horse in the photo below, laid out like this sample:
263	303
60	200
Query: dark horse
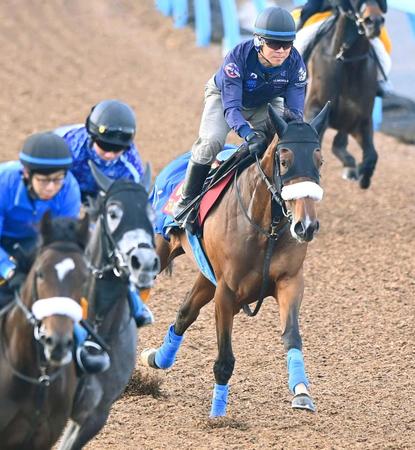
37	381
263	242
121	251
343	69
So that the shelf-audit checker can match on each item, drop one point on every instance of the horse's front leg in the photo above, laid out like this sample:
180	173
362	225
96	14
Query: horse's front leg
289	294
225	309
364	136
163	357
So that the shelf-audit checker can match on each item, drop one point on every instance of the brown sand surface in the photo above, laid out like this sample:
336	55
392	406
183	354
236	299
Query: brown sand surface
60	57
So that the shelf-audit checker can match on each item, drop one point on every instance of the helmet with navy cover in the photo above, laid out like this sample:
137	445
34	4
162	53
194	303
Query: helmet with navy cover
275	23
112	125
45	152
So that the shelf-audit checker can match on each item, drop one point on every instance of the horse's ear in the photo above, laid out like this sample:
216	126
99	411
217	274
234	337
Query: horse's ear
146	177
279	123
319	123
102	180
82	230
46	228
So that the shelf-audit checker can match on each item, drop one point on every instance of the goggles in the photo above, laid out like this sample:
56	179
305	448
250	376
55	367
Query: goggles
276	45
121	134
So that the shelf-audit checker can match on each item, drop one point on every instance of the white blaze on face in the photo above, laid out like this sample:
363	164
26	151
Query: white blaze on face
64	267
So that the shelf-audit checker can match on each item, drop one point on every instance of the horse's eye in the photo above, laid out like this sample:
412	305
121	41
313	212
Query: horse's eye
40	274
114	215
284	163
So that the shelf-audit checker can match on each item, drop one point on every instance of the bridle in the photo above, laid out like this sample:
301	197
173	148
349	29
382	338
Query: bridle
112	252
45	379
279	211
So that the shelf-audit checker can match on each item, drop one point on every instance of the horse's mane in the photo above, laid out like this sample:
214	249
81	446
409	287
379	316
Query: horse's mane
60	229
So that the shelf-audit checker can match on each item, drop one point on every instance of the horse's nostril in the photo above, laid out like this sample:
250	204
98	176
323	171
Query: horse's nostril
69	343
135	262
299	229
49	341
156	265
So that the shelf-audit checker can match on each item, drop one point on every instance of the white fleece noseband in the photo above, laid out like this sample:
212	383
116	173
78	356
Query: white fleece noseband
302	190
64	306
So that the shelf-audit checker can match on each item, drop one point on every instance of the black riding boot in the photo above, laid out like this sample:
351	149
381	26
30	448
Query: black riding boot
195	177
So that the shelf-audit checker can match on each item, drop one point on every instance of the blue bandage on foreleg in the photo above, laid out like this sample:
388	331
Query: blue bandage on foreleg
296	370
80	334
219	400
166	354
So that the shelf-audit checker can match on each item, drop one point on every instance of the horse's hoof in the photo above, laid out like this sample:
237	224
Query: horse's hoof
349	173
303	401
364	181
148	356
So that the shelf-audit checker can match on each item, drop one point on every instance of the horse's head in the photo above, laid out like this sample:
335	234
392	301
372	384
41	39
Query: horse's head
369	14
127	218
297	170
53	288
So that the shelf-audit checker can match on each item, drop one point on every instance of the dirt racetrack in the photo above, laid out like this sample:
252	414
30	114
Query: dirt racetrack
59	57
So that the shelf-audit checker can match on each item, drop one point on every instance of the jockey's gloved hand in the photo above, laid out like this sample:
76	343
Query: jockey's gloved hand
256	143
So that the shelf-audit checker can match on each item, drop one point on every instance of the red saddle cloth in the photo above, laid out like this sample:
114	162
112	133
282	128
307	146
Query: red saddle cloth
207	202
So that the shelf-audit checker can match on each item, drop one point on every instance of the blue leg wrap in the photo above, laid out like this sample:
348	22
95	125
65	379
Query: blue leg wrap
80	334
136	304
219	400
166	354
296	370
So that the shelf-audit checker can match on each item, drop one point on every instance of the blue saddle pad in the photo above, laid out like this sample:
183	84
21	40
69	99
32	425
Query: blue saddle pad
164	184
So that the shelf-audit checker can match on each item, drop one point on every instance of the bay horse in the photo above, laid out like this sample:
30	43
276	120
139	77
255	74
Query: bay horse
343	69
261	252
121	251
37	381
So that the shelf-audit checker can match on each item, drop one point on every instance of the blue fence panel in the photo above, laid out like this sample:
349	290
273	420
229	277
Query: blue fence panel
165	6
202	22
230	23
180	13
260	5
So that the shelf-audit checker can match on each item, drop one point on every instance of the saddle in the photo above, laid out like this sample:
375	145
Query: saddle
215	185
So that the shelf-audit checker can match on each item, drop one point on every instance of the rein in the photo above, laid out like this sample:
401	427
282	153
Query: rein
272	235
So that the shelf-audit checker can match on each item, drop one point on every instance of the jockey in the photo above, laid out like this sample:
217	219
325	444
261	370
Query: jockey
262	70
107	138
40	182
305	34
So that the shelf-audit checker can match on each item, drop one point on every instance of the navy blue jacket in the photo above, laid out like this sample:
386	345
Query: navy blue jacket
128	165
245	82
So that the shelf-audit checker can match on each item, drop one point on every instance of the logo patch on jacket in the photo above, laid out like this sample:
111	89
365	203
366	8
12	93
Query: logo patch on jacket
232	70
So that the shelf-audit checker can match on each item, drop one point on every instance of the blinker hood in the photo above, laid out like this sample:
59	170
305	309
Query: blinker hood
302	140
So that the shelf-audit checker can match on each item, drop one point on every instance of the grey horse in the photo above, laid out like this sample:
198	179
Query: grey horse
120	251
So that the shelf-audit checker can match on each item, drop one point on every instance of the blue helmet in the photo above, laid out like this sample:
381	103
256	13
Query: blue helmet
275	23
45	152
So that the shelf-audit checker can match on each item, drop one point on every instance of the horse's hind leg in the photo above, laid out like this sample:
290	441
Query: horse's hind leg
289	294
366	168
162	358
339	148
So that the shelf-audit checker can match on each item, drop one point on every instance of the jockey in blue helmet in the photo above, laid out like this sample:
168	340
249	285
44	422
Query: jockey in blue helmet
40	182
